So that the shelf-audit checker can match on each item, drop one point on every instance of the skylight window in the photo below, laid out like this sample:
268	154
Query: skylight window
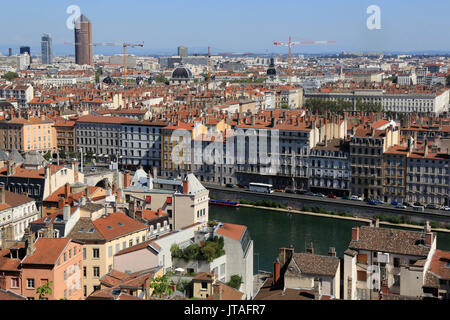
120	223
109	227
91	230
81	230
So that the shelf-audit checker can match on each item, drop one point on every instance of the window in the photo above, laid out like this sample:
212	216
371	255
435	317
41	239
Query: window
396	262
131	242
84	253
96	253
30	283
84	272
96	272
204	285
361	258
14	282
110	251
361	275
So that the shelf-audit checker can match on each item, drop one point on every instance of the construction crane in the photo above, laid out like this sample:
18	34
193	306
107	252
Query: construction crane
112	44
290	44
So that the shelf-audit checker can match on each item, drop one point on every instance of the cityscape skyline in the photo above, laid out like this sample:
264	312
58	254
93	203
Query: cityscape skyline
206	26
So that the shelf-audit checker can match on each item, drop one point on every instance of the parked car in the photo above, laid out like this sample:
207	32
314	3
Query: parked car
279	190
400	206
300	191
241	186
289	191
407	204
332	196
394	203
309	193
372	202
446	208
418	208
345	197
432	206
230	185
418	204
356	198
320	195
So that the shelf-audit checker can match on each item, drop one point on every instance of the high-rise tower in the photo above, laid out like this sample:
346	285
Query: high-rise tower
46	49
83	41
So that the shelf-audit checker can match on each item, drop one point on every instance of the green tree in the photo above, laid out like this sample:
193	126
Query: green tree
44	290
235	281
62	154
47	156
161	286
10	76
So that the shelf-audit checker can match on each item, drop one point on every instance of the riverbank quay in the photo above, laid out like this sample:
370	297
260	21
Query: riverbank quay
366	220
355	208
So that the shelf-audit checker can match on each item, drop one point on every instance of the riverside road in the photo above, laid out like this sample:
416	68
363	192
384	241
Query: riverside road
357	208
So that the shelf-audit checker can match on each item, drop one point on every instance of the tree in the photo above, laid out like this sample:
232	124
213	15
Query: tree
44	290
62	154
47	156
10	76
235	281
161	286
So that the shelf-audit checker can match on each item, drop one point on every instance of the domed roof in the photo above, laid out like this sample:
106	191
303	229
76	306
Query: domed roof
181	72
272	71
108	80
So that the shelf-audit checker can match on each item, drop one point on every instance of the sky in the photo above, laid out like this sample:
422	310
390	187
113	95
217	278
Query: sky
232	25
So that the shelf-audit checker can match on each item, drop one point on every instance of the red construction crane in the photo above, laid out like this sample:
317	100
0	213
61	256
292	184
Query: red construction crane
290	44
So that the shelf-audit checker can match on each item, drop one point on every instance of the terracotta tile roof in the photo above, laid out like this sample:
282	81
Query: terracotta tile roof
313	264
15	199
47	251
149	215
116	225
10	295
30	173
227	292
440	264
6	263
104	119
267	292
390	241
234	231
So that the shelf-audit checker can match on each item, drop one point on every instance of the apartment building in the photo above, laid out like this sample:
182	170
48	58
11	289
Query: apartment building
66	136
140	144
26	266
17	211
427	174
394	173
21	93
387	261
329	168
186	201
102	237
367	146
418	102
32	134
100	136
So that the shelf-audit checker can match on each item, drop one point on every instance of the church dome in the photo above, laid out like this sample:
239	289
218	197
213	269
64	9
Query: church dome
181	72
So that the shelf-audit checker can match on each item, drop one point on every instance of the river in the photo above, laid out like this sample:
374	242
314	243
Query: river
271	230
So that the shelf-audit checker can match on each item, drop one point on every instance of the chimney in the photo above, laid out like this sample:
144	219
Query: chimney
185	186
425	153
276	272
61	202
429	237
2	195
317	289
355	233
66	212
83	201
332	252
159	212
132	209
310	249
114	188
67	190
29	241
126	179
88	193
155	172
10	168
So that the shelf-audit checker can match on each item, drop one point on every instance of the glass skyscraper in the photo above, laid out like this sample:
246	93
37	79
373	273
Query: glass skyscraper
46	49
